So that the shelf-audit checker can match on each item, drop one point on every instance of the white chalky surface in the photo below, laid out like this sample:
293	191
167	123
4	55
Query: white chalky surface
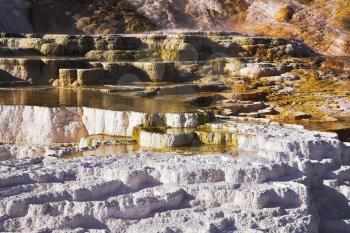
286	179
172	193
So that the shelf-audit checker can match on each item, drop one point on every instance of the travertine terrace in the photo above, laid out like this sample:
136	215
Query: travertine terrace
172	131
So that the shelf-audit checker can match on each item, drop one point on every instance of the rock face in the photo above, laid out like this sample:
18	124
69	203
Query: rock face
40	125
43	125
311	21
112	123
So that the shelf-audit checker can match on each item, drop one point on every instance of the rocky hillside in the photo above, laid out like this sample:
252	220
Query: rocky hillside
72	17
324	25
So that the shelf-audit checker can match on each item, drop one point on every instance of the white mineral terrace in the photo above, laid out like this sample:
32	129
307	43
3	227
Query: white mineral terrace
285	179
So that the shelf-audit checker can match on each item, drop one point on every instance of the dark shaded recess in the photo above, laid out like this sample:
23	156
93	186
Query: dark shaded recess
87	17
49	16
117	75
6	79
206	101
343	134
346	23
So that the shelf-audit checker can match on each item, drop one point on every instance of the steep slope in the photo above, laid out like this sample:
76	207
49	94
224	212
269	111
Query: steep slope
14	16
72	17
87	17
324	25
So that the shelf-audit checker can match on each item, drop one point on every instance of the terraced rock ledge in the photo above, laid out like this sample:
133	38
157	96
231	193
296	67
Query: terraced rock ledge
172	132
286	179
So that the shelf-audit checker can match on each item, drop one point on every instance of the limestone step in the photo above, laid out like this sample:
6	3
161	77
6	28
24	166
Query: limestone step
177	137
176	47
228	107
36	70
168	138
126	72
120	55
17	52
73	123
256	69
251	95
79	77
215	137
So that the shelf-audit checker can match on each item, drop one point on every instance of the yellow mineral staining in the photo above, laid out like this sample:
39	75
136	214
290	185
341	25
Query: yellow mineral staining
312	84
285	14
218	138
311	94
305	2
136	131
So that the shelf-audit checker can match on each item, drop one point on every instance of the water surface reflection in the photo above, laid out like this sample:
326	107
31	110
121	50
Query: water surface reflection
53	97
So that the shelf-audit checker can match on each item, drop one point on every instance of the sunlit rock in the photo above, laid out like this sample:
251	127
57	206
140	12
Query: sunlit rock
187	120
40	125
98	121
253	70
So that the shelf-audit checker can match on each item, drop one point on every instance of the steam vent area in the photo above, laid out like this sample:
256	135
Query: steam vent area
172	132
